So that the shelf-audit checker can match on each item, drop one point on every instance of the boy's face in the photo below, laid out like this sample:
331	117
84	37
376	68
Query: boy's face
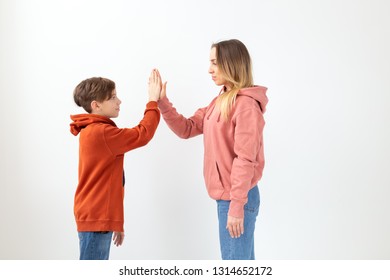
109	108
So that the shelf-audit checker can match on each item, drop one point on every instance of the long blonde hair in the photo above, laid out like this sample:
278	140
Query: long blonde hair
234	62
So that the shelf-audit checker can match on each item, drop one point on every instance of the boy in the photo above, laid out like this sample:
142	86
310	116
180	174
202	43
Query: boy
98	204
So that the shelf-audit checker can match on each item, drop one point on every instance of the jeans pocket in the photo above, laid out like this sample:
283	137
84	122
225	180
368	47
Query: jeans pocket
251	208
253	204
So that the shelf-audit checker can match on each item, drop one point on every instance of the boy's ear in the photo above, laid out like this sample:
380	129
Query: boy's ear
94	105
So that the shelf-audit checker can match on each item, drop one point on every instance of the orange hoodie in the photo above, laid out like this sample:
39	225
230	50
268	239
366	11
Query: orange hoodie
98	203
233	149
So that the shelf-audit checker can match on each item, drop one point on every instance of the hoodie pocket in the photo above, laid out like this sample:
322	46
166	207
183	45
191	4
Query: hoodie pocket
213	178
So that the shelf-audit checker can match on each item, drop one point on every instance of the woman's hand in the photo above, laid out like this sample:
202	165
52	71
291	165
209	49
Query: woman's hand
118	238
163	86
235	226
163	90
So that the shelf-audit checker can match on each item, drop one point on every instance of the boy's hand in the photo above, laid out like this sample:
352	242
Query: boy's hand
154	85
118	238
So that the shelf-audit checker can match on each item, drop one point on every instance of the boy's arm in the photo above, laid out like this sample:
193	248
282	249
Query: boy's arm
123	140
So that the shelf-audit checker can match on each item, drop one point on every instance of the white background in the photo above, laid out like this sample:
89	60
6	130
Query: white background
325	188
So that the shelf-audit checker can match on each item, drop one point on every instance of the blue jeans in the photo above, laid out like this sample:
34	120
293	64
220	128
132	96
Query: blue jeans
95	245
241	248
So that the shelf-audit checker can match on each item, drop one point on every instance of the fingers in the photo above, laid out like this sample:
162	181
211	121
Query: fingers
157	89
235	231
163	90
118	238
154	85
155	77
157	73
235	226
159	77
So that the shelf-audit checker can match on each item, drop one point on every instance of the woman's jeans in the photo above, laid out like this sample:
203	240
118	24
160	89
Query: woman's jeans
241	248
95	245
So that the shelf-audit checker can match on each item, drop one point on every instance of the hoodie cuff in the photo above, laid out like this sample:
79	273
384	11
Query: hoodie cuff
236	209
164	104
151	105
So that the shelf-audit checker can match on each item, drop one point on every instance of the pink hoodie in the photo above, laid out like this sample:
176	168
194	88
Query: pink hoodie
233	149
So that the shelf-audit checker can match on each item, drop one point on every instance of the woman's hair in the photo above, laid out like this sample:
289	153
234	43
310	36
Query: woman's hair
234	63
96	88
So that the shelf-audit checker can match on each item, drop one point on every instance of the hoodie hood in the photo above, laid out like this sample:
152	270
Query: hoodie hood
83	120
258	93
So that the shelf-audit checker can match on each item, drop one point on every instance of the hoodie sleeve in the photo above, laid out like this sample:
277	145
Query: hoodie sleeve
248	136
123	140
181	126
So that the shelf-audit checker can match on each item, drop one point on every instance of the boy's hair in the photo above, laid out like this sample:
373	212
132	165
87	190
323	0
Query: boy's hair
96	88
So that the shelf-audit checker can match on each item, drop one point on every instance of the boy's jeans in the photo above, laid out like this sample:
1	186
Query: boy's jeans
241	248
95	245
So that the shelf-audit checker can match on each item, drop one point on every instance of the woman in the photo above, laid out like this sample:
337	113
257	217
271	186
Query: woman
232	127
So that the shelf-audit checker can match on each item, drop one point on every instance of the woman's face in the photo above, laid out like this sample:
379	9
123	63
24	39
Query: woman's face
216	75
